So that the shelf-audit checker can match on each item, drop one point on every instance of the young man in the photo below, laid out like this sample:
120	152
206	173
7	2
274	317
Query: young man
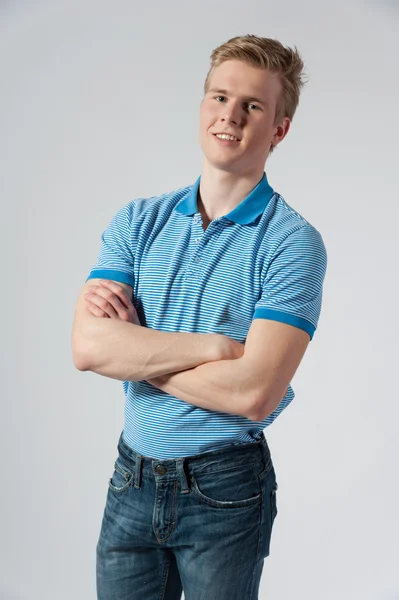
202	302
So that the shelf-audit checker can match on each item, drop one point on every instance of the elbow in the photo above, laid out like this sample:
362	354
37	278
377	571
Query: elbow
80	354
81	363
86	342
265	403
259	408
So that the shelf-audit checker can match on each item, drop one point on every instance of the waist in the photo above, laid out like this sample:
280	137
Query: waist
214	460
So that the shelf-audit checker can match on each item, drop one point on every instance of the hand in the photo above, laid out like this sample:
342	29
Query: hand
109	300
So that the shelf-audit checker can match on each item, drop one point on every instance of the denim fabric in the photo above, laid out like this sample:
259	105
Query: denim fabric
200	524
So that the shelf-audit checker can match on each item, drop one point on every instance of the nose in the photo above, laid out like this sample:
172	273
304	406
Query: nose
229	119
231	114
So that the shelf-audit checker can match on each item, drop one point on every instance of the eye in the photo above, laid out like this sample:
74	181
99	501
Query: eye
253	106
217	97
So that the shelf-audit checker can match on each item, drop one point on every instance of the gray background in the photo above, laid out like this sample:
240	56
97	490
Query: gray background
99	104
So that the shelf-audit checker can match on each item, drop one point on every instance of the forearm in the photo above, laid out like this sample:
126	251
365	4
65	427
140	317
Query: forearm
220	386
128	352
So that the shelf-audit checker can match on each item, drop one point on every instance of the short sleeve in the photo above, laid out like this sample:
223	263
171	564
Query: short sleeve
116	258
293	285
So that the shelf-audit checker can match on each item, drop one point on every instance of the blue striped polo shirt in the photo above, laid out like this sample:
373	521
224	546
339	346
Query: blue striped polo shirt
262	260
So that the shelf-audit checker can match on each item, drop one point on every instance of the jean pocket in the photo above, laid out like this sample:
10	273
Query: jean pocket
122	477
232	488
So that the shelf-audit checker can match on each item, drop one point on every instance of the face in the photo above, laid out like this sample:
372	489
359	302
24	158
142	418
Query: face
241	101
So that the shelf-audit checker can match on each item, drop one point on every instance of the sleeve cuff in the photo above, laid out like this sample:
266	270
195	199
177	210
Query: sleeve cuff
282	317
111	274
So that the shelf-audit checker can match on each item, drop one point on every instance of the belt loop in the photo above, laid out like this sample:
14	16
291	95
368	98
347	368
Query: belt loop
265	450
183	479
137	474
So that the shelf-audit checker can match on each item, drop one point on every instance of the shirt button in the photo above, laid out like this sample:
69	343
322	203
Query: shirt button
197	259
160	469
197	240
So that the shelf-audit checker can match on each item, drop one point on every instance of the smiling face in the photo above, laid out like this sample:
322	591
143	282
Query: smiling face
241	100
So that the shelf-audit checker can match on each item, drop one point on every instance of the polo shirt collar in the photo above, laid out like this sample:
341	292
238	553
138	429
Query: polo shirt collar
246	212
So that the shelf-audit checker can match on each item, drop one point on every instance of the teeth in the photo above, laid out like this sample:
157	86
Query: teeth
225	136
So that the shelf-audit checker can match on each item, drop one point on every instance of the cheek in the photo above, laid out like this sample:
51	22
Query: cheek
208	116
261	136
205	125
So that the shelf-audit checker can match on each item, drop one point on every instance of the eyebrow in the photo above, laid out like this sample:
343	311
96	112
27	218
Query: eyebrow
246	98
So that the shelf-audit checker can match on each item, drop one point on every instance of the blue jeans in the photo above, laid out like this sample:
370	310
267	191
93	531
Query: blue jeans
200	524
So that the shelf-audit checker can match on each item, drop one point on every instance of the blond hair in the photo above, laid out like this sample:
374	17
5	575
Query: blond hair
269	54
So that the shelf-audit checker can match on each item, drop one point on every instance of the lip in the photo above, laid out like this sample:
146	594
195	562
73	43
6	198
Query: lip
227	133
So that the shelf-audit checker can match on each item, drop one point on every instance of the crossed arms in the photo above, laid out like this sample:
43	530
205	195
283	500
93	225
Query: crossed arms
211	371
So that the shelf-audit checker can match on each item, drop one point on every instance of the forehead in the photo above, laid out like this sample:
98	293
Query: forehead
243	79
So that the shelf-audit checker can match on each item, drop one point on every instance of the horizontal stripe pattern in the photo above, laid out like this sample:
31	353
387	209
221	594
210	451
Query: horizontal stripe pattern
220	280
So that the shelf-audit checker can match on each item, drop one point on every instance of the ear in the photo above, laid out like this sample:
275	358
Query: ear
281	131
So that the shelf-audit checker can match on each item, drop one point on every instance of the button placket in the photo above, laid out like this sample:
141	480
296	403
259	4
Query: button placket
196	258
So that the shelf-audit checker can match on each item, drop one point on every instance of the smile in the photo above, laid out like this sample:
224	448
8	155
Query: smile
226	136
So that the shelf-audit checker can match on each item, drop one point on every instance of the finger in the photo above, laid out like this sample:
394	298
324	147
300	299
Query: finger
110	303
102	303
118	290
95	310
120	313
120	309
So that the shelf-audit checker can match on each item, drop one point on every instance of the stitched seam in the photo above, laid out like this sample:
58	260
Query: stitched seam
249	592
165	579
225	503
234	467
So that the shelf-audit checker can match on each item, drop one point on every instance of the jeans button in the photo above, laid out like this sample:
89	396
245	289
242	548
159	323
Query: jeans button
160	469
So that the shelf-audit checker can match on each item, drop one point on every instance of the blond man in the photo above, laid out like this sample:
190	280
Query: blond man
203	302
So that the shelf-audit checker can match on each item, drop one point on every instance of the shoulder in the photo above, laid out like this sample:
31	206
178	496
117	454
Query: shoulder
147	209
285	226
160	204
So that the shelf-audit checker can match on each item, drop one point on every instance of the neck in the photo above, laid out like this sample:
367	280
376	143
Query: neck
221	191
